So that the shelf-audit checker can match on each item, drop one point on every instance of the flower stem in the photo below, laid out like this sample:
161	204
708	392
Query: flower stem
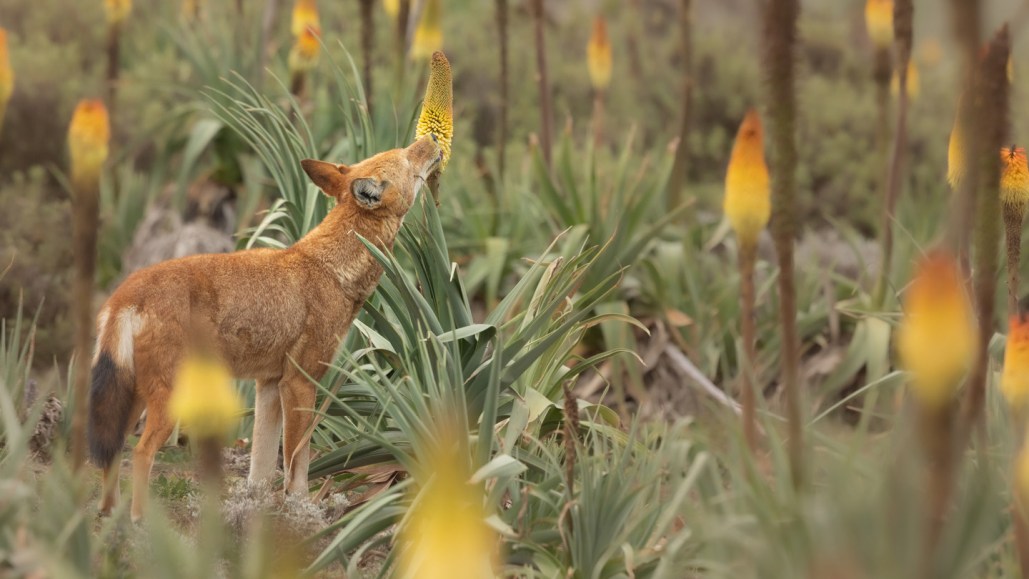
748	298
1013	216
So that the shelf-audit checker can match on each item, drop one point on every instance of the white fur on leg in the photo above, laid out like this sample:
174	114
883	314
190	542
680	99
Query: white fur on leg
264	452
296	473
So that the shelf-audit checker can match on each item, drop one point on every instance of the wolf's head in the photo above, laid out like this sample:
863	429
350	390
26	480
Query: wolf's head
386	184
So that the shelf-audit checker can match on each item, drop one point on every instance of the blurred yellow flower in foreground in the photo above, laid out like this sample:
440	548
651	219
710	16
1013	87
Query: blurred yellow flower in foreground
204	398
445	535
88	138
437	116
598	55
6	76
1014	383
305	16
304	54
428	37
914	86
747	196
937	337
956	153
392	7
1014	178
117	10
879	22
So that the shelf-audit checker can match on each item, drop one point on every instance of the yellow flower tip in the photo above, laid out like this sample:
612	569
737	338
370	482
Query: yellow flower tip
914	86
117	10
304	54
305	16
747	196
6	73
437	116
956	154
1014	178
879	21
89	136
204	398
428	37
392	7
937	337
598	55
1014	382
446	535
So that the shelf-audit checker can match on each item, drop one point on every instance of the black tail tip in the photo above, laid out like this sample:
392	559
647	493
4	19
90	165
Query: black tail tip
110	401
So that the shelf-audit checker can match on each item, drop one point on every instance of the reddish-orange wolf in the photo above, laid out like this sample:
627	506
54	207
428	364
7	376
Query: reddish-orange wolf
273	315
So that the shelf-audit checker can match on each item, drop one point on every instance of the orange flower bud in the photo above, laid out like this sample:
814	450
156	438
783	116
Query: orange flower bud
1014	382
6	76
305	16
1014	178
914	86
88	138
428	37
956	154
747	195
879	22
937	337
117	10
204	398
598	55
304	54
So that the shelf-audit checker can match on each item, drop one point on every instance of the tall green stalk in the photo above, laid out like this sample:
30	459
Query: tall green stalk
780	34
678	179
546	114
502	18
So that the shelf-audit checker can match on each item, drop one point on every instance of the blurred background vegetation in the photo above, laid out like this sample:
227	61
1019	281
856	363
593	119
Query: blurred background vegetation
206	120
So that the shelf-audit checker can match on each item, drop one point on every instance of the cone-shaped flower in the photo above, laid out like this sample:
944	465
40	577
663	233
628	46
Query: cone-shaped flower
305	16
914	86
747	196
445	535
204	398
6	76
428	37
1014	179
1014	383
437	117
956	154
304	54
117	10
392	7
879	21
88	138
937	337
598	55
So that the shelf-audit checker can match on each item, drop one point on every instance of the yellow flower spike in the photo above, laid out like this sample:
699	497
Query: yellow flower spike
937	339
914	86
437	117
204	398
305	16
1014	178
6	76
304	54
428	37
879	22
392	7
1014	382
747	196
956	153
598	55
89	136
445	535
117	10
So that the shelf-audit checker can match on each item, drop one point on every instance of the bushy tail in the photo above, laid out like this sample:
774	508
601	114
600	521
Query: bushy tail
111	398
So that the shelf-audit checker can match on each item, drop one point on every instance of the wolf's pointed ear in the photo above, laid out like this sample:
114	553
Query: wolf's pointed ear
327	176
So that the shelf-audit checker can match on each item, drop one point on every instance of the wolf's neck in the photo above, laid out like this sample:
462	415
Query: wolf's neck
335	244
